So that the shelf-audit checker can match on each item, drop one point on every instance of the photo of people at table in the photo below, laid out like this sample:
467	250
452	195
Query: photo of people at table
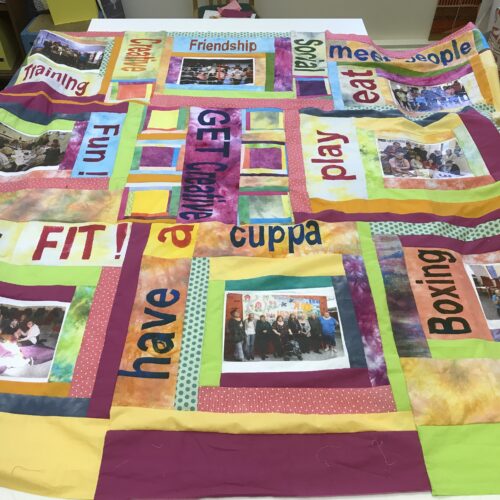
430	98
403	158
20	152
68	52
281	327
217	71
29	332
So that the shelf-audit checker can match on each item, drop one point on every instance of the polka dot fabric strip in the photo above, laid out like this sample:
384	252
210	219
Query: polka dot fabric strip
186	394
304	401
485	230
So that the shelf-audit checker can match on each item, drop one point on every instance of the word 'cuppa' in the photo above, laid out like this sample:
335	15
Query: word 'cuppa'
258	236
253	236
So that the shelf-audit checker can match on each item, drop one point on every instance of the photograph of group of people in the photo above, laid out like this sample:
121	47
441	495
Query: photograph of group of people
64	51
20	152
29	332
278	327
430	98
217	71
403	158
486	281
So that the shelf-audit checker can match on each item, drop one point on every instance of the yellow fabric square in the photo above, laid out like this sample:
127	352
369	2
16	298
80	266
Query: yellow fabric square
287	209
163	119
266	120
63	12
56	456
172	241
240	268
150	202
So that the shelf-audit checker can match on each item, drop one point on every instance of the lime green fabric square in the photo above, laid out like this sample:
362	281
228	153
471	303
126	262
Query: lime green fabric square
462	459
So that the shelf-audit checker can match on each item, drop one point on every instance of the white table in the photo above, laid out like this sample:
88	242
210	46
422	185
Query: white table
355	26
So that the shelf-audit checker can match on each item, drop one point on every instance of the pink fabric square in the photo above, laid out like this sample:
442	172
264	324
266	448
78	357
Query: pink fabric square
232	5
152	156
265	158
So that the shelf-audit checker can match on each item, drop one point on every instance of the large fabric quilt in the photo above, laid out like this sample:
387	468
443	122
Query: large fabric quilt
249	264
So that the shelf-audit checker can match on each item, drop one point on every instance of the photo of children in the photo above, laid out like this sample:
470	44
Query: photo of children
216	71
416	99
29	332
283	328
403	158
486	281
20	152
68	52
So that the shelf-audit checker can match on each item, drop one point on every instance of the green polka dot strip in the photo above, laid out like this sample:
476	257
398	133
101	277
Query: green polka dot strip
186	393
484	230
234	34
485	109
105	58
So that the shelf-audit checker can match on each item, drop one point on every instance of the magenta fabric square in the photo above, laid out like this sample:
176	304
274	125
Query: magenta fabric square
265	158
156	157
206	464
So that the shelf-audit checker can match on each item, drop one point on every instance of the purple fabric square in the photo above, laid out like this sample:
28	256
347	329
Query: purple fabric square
265	158
311	87
156	157
174	69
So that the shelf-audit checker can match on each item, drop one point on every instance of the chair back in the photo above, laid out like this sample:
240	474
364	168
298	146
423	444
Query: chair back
213	3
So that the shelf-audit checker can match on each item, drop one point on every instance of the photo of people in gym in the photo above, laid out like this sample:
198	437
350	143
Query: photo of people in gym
217	71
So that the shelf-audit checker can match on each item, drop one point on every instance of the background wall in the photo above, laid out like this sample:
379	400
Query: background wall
390	22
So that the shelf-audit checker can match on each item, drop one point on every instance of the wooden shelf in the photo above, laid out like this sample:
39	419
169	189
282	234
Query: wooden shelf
18	19
7	74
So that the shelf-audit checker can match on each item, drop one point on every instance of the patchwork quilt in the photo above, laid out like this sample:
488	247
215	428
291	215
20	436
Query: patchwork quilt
241	264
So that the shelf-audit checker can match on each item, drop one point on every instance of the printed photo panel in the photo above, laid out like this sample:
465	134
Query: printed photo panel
59	284
223	66
194	164
50	145
359	158
137	66
442	299
292	310
75	66
310	69
445	76
436	290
